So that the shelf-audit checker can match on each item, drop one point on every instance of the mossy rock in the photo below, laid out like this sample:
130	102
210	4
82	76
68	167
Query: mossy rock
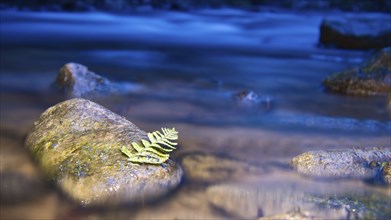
77	144
372	77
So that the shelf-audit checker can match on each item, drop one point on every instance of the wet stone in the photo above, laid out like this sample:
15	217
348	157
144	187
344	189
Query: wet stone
257	200
385	173
283	200
372	77
295	214
77	145
356	32
361	205
350	163
78	81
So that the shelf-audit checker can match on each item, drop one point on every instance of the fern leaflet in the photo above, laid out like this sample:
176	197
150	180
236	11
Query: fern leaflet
154	151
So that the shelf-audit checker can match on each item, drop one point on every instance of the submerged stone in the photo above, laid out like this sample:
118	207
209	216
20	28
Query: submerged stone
204	168
78	81
77	144
291	200
295	214
350	163
370	78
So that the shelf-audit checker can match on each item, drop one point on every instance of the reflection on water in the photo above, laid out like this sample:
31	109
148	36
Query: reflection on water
191	66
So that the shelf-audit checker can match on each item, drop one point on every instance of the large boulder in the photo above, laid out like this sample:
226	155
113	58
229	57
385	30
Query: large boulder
78	81
356	32
370	78
77	144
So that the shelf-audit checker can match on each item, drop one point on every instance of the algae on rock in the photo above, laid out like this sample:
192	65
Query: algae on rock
370	78
77	144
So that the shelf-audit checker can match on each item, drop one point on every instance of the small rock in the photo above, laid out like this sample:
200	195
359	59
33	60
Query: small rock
78	81
203	168
351	163
77	144
370	78
356	32
250	99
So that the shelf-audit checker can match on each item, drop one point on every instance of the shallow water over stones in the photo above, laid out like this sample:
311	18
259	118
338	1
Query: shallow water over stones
191	65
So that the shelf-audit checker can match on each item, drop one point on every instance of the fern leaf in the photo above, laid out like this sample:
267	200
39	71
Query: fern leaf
154	151
125	151
151	137
157	146
137	147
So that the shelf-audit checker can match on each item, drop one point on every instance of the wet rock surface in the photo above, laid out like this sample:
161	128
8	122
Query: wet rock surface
208	168
248	98
78	81
370	78
357	206
385	173
356	32
296	214
350	163
77	144
284	200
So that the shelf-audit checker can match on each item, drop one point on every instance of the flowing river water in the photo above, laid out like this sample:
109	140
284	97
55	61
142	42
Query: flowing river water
189	66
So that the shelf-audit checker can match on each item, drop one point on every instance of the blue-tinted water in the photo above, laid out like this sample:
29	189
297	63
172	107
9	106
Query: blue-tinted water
189	67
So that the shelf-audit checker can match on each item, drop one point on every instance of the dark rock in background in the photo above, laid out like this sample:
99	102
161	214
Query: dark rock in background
77	144
356	32
370	78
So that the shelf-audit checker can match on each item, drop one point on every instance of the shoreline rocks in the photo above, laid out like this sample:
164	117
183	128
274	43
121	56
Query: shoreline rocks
372	77
78	81
77	145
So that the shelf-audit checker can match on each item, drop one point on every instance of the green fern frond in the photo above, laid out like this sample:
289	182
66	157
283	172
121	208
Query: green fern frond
154	151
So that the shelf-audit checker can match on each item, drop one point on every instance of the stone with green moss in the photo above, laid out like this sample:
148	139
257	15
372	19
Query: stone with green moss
77	145
373	77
